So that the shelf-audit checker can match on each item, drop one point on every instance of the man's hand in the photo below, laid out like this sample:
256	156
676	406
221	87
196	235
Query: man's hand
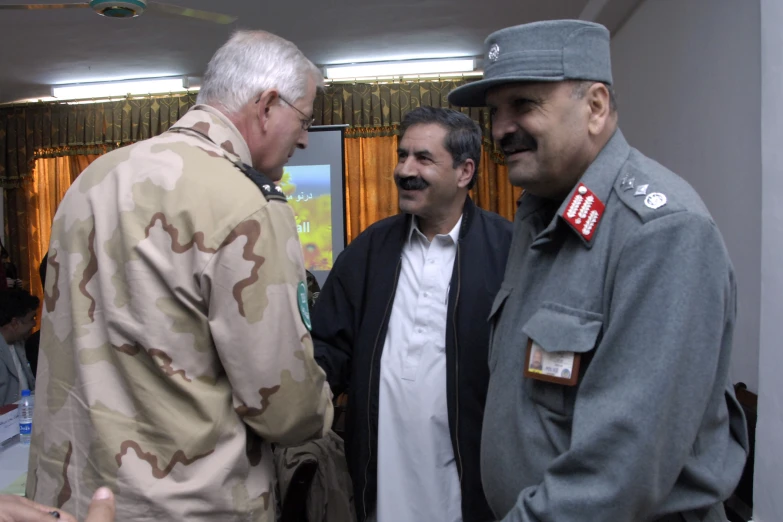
102	506
14	283
14	508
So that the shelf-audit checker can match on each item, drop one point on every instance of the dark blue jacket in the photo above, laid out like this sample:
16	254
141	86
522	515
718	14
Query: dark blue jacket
349	329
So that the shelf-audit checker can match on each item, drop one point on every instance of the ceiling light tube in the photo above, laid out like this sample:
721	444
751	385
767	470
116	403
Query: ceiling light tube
372	69
80	91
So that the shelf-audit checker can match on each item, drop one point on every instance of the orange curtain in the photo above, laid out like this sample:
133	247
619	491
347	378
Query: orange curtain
371	195
492	190
41	195
370	192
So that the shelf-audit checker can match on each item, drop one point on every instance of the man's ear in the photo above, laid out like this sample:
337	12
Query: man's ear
14	324
266	101
466	171
599	102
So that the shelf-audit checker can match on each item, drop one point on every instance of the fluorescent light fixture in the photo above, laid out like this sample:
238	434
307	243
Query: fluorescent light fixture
399	68
462	74
80	91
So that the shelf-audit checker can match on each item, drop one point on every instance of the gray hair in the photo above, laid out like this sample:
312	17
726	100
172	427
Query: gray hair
251	62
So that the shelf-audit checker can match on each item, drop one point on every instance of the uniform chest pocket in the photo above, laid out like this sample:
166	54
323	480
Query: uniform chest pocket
558	328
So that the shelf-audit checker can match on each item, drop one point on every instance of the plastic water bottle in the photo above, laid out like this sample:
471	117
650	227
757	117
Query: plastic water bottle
25	418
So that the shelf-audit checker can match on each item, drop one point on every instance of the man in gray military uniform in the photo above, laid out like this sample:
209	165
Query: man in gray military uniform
619	274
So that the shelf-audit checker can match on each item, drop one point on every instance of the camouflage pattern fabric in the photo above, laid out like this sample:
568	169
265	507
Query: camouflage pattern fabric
330	498
173	349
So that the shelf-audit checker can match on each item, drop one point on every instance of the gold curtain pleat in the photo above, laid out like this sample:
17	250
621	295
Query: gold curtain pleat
46	130
370	192
492	190
31	133
35	130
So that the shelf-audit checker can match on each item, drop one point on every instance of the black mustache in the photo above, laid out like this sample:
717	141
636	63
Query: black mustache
511	143
413	183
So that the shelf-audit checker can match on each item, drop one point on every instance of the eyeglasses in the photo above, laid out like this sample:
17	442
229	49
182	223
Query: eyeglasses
306	122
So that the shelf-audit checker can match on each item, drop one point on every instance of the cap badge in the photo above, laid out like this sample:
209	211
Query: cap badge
493	53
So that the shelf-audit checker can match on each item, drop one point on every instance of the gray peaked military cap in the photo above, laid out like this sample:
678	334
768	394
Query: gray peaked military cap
550	51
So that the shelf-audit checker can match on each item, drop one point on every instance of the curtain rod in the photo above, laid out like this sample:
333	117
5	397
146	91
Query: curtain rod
369	80
28	103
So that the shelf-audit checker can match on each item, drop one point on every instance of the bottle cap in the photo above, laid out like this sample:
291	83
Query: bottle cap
25	393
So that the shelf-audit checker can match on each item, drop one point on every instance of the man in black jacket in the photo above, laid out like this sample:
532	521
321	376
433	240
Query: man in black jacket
401	324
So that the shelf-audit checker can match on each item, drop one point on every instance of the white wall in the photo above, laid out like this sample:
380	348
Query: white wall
687	76
768	484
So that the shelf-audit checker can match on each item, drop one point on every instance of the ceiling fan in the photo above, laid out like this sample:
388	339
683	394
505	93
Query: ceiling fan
131	8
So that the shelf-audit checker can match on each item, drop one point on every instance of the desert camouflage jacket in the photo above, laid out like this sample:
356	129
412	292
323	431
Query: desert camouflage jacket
175	345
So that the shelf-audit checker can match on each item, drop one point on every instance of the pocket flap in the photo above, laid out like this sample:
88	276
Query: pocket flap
558	328
500	298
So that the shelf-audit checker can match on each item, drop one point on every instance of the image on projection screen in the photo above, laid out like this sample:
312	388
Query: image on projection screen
307	189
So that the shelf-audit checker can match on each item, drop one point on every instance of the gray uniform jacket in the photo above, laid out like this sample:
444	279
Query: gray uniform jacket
652	427
9	378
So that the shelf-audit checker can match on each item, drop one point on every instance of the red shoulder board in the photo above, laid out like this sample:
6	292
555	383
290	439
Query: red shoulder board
584	211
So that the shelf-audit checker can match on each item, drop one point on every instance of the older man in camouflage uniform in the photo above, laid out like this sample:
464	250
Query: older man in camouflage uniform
176	344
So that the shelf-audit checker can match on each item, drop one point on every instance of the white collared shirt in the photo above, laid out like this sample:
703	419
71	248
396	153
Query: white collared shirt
417	471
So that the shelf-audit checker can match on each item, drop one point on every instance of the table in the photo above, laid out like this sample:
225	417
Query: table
13	467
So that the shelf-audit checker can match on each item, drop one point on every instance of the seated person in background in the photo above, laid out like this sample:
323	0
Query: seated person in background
401	323
33	342
17	318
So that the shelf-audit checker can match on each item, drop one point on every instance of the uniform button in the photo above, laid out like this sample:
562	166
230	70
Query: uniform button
430	261
426	294
420	330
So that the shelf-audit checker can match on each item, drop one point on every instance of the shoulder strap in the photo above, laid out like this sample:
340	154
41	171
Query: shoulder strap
264	184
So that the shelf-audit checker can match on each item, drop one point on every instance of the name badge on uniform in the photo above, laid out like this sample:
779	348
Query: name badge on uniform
557	367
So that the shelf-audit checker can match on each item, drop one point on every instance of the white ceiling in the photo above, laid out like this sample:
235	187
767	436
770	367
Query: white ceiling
45	47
